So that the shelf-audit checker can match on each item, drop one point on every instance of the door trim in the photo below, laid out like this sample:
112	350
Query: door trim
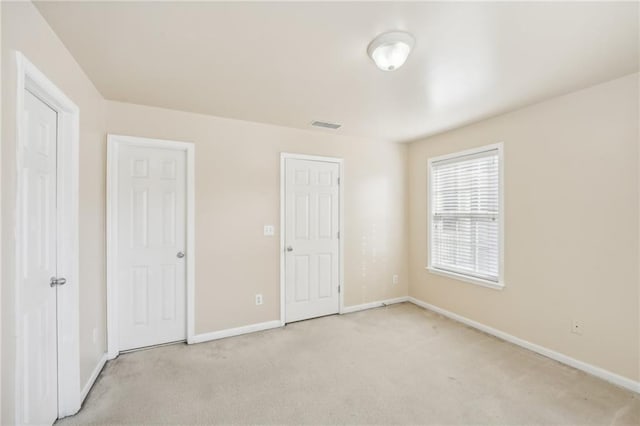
283	157
113	144
67	187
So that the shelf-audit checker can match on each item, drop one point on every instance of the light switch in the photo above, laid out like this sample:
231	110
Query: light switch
269	230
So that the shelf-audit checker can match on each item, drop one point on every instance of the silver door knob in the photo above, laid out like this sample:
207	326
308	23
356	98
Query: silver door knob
289	248
57	281
180	255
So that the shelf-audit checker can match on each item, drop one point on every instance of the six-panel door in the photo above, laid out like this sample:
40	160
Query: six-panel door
37	351
151	241
312	246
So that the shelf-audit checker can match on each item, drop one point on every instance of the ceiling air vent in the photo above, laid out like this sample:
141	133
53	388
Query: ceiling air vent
326	125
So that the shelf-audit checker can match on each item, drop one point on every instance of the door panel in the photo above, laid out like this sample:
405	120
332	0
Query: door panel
151	232
37	346
312	212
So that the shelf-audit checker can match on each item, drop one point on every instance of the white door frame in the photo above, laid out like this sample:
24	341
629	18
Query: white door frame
67	188
113	144
283	157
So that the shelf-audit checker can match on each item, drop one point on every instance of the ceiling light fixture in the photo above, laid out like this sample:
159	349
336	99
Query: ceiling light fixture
390	50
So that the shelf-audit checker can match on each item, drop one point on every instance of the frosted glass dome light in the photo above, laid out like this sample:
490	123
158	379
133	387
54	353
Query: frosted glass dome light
390	50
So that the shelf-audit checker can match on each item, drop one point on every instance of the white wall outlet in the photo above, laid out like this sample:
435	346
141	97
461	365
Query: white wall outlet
269	230
258	299
95	335
577	327
396	279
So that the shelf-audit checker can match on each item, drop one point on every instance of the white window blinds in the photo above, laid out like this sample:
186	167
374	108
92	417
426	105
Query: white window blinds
465	209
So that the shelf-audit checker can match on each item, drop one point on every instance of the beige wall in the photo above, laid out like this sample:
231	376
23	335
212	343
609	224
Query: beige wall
238	191
25	30
571	219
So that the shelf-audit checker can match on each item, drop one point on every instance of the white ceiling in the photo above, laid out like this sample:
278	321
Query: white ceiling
292	63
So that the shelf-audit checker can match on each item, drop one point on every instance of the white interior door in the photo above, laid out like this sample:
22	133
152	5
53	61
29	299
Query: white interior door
151	246
37	349
312	245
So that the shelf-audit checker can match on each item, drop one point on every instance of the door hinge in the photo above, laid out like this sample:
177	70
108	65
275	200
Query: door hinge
339	289
338	234
338	181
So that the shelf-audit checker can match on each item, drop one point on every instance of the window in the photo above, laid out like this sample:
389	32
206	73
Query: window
465	215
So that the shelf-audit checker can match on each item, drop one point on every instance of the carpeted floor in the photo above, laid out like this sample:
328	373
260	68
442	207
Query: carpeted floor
399	364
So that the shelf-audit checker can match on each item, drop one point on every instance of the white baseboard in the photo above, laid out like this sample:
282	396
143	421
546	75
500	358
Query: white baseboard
580	365
215	335
371	305
94	376
230	332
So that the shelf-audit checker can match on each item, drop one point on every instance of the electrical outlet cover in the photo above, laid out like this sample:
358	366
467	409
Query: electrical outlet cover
269	230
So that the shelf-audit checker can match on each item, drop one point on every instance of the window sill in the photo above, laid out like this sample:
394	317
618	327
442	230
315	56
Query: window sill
466	278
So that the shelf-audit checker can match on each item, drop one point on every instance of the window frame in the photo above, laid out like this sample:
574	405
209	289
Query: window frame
500	284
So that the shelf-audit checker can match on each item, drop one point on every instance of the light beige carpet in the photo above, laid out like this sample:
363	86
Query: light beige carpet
399	364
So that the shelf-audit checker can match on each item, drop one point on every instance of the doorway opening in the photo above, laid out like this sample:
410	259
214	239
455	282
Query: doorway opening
311	237
46	280
150	243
